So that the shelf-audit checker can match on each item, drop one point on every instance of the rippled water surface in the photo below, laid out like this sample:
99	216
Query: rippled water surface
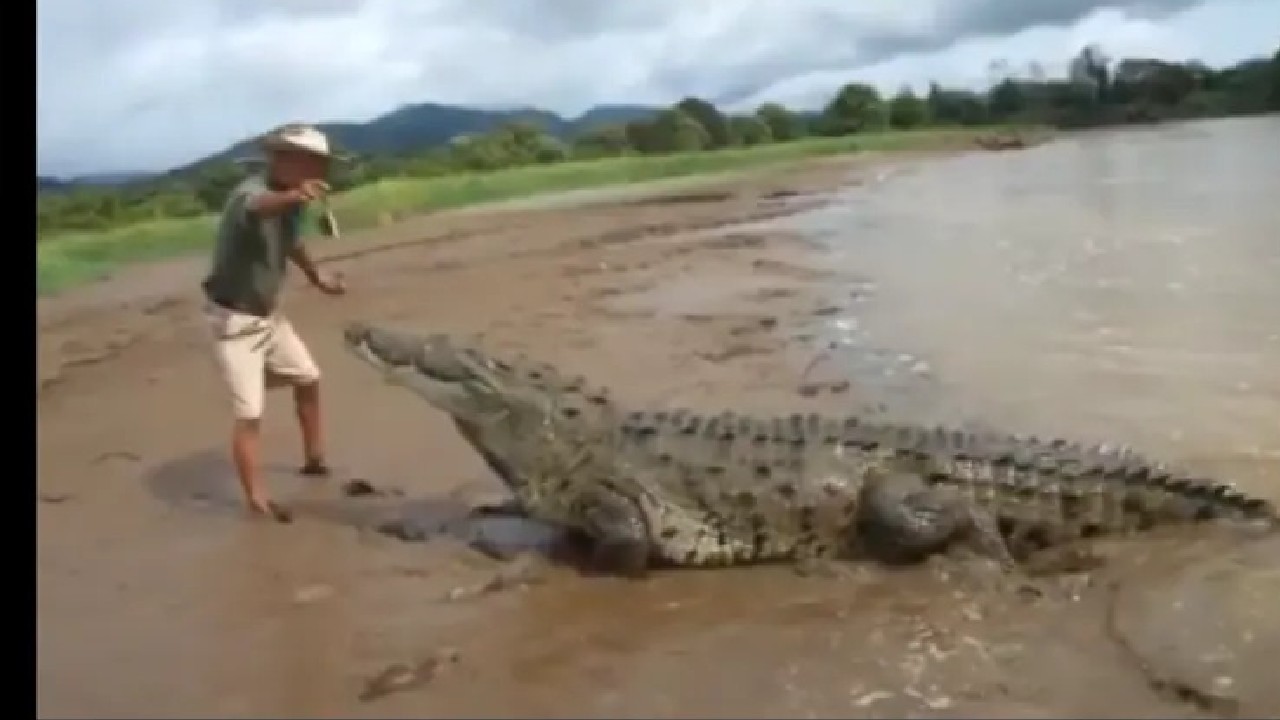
1116	286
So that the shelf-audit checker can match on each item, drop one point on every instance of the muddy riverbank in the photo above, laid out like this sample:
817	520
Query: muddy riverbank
156	598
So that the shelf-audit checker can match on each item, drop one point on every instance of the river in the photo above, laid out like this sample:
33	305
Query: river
1122	287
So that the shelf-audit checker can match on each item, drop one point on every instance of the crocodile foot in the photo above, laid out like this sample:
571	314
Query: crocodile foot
624	558
510	508
617	531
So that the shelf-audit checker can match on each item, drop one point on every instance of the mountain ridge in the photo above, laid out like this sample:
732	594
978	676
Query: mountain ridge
406	129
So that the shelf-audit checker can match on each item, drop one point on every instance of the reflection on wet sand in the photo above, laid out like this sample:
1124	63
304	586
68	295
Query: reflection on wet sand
314	644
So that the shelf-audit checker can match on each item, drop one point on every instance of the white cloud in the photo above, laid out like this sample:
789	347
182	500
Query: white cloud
1219	33
147	84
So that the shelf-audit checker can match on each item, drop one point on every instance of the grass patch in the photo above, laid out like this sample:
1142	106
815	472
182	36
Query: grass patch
68	259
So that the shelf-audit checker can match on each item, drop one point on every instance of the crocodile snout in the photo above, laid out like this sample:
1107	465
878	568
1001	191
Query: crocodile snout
434	356
386	346
355	333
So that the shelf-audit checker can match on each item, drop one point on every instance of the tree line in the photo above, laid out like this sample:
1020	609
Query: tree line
1096	91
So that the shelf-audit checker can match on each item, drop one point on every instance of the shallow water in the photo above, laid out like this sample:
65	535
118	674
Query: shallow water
1120	287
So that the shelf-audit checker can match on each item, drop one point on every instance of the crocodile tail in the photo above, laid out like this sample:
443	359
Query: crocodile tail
1167	496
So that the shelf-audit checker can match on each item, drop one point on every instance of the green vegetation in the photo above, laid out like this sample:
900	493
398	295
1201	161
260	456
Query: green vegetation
84	232
72	257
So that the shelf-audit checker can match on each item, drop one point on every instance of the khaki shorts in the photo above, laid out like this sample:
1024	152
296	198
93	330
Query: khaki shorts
254	354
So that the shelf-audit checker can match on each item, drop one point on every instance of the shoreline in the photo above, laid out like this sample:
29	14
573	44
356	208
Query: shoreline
67	260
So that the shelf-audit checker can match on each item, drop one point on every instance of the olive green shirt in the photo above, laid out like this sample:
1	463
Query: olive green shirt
252	252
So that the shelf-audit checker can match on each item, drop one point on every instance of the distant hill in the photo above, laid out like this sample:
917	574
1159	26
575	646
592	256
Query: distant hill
412	128
611	115
52	184
48	184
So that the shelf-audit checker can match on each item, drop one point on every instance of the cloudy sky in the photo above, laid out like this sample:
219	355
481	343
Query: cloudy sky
129	85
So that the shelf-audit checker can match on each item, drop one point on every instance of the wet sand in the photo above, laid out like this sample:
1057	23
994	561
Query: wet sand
157	597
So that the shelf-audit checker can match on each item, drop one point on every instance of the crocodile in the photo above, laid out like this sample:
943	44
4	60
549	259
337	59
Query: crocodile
682	488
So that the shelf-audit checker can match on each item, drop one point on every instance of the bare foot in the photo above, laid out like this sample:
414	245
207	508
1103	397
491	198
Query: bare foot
315	468
270	510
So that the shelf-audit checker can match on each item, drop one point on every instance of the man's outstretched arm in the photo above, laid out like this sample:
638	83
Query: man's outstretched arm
302	258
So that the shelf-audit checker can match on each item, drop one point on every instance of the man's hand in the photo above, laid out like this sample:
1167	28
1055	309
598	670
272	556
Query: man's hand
331	283
327	283
312	190
276	202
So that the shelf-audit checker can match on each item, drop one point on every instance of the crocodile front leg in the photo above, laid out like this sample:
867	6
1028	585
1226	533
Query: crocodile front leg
618	530
903	517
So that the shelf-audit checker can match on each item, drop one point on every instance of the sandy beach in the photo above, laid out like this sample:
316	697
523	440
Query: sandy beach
157	597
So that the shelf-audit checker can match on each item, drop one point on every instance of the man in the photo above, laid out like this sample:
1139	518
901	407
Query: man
256	346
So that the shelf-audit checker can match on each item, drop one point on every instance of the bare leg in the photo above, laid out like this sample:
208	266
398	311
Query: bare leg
306	400
246	453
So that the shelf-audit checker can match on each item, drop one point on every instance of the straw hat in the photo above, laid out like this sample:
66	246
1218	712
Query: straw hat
298	137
